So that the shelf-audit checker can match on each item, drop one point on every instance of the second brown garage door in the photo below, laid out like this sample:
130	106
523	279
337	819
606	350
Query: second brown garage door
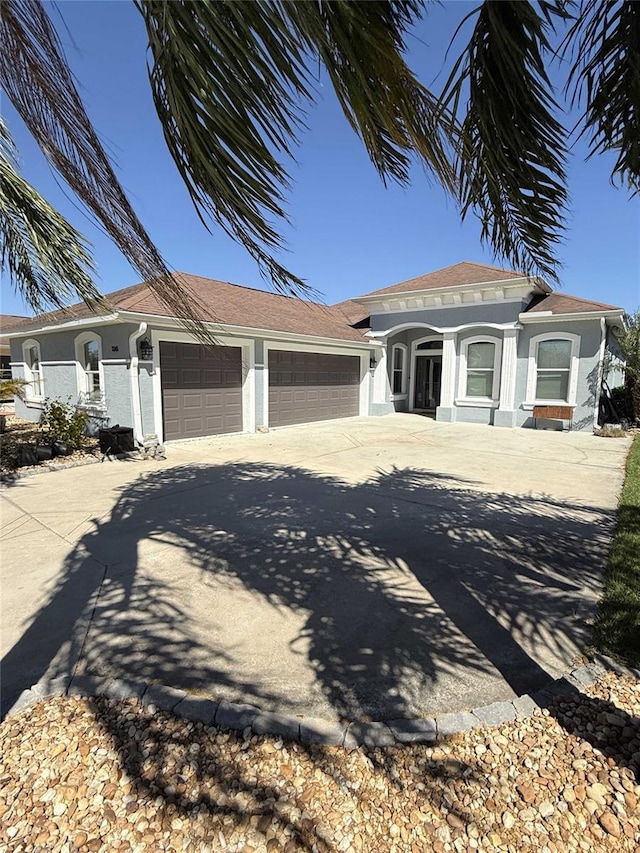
310	386
201	389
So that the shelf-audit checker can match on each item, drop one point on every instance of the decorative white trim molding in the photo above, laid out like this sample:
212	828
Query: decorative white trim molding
532	369
509	370
402	393
81	374
464	398
448	378
415	354
222	331
32	396
548	317
94	320
441	330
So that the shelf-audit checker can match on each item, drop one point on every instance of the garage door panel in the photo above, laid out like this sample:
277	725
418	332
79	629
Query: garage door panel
318	388
201	389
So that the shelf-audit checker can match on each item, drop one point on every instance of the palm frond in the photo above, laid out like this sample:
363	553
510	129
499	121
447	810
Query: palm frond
36	77
232	81
604	43
512	147
362	46
47	260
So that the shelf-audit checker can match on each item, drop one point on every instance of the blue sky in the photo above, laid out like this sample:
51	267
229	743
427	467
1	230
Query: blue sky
350	235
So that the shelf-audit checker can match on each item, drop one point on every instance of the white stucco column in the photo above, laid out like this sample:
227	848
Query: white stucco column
508	373
448	380
380	376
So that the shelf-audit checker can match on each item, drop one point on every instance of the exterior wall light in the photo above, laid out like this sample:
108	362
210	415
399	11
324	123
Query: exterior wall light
146	350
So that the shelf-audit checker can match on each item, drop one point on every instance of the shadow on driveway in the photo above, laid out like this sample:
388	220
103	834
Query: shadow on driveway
403	596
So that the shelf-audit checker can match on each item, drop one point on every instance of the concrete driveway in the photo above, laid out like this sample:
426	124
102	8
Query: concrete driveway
382	568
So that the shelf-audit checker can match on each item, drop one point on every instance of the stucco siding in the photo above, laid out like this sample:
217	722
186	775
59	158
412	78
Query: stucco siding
260	381
146	399
474	415
450	316
588	357
117	391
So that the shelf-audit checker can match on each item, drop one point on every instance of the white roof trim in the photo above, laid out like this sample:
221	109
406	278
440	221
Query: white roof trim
95	320
549	317
380	296
440	330
230	329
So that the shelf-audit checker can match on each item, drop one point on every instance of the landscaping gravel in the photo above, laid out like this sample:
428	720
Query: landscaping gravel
102	775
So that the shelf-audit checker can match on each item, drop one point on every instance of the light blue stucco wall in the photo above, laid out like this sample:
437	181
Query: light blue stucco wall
589	332
117	390
451	315
260	377
145	375
588	354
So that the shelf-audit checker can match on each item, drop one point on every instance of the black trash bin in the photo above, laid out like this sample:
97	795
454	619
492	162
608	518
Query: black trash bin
116	440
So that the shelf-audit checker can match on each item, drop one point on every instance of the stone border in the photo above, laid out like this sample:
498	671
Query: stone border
311	730
32	470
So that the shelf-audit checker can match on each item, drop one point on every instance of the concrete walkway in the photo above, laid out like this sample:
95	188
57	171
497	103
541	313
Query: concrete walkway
370	568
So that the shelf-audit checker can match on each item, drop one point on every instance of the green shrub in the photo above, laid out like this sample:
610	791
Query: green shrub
64	422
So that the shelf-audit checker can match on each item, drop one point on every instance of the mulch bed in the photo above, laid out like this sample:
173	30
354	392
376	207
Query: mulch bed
19	431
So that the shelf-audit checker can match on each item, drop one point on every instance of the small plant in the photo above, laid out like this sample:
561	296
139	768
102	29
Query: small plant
61	421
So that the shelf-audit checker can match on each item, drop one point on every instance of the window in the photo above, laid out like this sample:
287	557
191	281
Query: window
398	369
480	369
89	356
479	377
32	370
553	368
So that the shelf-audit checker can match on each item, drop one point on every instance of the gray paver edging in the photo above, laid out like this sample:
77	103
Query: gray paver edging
31	471
311	730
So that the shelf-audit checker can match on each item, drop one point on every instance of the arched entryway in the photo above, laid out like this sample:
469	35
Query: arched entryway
426	374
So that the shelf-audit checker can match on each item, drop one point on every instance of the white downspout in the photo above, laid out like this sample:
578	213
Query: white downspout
135	382
603	341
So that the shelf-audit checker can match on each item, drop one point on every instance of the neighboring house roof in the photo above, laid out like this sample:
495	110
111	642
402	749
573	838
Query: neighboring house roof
562	303
466	272
223	303
7	321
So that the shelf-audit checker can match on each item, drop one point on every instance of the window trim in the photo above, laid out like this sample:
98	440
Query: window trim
399	395
81	373
532	369
465	399
30	396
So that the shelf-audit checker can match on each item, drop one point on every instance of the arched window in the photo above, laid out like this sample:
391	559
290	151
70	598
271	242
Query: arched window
89	356
553	368
399	369
480	369
32	369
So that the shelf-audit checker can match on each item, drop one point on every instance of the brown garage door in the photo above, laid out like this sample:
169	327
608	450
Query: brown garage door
201	389
310	386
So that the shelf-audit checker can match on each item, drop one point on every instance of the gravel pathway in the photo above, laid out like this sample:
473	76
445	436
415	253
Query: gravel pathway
104	775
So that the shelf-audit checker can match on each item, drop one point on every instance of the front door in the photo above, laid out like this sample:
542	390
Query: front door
427	384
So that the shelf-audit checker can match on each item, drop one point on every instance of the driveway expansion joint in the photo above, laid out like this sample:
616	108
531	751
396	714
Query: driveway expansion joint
311	730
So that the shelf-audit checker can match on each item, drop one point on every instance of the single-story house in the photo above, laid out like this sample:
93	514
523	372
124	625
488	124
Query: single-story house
470	342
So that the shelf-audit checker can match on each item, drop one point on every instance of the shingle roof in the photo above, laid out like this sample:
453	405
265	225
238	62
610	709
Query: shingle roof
562	303
224	303
356	314
465	272
7	321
